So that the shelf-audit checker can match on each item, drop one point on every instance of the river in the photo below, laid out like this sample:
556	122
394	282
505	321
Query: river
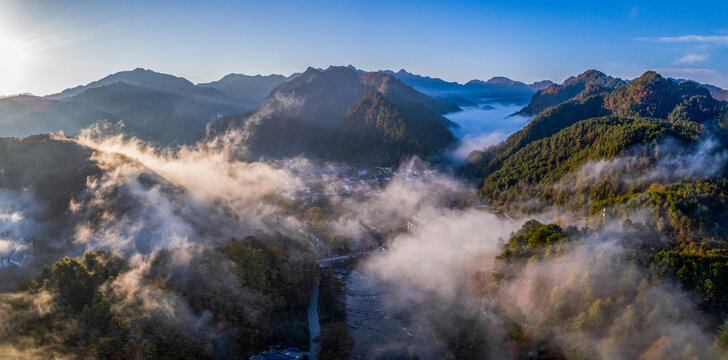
314	327
384	327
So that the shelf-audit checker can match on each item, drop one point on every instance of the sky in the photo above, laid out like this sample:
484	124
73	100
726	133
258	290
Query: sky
47	46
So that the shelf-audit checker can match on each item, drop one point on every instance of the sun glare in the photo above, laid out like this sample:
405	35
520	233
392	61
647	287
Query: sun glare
14	55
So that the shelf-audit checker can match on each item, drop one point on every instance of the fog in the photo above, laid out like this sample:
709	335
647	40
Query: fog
189	198
484	125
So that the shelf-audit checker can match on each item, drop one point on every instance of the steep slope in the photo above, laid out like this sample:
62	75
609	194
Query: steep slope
547	123
588	83
324	95
658	156
664	179
54	168
655	96
404	95
548	159
375	128
650	95
304	115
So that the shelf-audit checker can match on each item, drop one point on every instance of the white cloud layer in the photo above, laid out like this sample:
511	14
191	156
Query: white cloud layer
690	59
714	39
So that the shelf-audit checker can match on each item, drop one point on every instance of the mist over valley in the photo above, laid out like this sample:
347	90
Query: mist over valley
336	212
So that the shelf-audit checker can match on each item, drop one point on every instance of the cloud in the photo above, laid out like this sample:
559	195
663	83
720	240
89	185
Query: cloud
690	59
449	272
149	199
711	39
688	71
477	142
19	214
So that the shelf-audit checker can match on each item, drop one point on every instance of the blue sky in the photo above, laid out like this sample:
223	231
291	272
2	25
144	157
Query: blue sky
66	43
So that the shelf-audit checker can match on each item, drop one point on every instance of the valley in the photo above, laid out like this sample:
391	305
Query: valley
347	214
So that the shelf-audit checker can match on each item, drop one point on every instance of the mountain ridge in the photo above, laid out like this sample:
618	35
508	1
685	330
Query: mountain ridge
329	98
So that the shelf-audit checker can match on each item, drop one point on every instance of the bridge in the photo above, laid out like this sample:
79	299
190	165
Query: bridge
341	259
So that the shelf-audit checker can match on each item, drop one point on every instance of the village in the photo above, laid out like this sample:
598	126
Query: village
321	181
337	181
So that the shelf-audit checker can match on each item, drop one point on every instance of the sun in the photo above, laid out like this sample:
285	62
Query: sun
14	56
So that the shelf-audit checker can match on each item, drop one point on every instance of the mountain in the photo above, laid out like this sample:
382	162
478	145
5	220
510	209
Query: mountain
325	113
588	154
404	94
504	82
159	108
246	88
716	92
54	168
139	77
424	84
498	88
583	85
545	124
376	128
25	115
655	96
650	95
647	157
156	115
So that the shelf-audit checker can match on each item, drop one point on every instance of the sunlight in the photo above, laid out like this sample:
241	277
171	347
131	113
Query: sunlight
14	55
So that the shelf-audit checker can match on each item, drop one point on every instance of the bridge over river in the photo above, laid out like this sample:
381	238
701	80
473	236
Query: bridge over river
337	260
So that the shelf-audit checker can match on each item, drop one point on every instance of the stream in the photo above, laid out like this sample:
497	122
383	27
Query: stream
384	327
314	327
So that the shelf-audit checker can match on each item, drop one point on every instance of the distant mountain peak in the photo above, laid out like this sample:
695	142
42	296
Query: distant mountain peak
352	67
649	75
504	81
342	69
311	70
137	76
594	77
716	92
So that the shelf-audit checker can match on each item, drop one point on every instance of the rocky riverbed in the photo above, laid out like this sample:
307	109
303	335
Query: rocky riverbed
382	325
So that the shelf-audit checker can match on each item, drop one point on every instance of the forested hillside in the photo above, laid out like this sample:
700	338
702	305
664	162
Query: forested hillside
587	83
327	114
227	302
648	157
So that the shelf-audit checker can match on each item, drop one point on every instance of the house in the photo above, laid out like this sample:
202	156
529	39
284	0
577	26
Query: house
414	226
